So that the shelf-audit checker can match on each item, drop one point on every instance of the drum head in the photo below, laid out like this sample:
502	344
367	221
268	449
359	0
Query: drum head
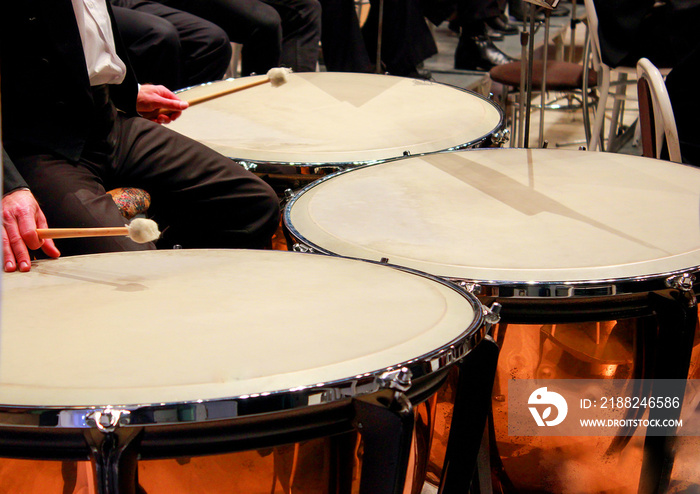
182	326
336	118
510	216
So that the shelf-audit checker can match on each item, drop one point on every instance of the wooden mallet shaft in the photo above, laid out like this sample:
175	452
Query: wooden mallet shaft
224	92
276	77
117	231
140	230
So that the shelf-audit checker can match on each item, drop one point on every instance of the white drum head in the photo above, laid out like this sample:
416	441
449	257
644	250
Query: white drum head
336	118
510	216
181	326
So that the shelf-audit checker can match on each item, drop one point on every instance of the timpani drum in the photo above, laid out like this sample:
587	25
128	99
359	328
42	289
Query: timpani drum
575	246
169	354
338	119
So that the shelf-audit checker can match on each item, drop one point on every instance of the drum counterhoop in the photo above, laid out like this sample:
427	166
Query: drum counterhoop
174	343
339	120
521	224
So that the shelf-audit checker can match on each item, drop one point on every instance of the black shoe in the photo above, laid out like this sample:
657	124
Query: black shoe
478	53
501	25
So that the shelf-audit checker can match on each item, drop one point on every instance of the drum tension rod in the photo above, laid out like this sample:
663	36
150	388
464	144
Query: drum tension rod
114	450
297	247
473	288
385	420
464	459
501	137
399	379
492	316
684	283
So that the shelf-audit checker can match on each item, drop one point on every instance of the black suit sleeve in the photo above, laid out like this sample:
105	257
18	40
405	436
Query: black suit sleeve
619	25
11	179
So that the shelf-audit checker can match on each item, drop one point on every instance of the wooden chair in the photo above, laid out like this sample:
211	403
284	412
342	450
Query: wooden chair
608	87
561	76
574	80
655	113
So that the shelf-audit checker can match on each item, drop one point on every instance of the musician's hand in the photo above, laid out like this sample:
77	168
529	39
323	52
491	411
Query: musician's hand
159	104
21	217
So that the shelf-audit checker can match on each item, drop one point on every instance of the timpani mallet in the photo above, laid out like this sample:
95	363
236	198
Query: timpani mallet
140	230
276	77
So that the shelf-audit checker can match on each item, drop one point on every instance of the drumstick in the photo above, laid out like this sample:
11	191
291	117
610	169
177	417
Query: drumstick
139	230
276	77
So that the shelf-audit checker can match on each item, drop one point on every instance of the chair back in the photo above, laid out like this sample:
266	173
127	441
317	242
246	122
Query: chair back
592	17
655	113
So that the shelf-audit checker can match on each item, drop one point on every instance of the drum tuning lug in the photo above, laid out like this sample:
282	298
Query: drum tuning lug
492	96
384	260
500	137
492	314
302	248
683	282
248	166
545	143
289	194
473	288
326	169
108	420
407	153
582	148
399	379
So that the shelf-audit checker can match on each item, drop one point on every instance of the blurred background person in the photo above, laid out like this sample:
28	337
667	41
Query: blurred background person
273	32
406	38
170	47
